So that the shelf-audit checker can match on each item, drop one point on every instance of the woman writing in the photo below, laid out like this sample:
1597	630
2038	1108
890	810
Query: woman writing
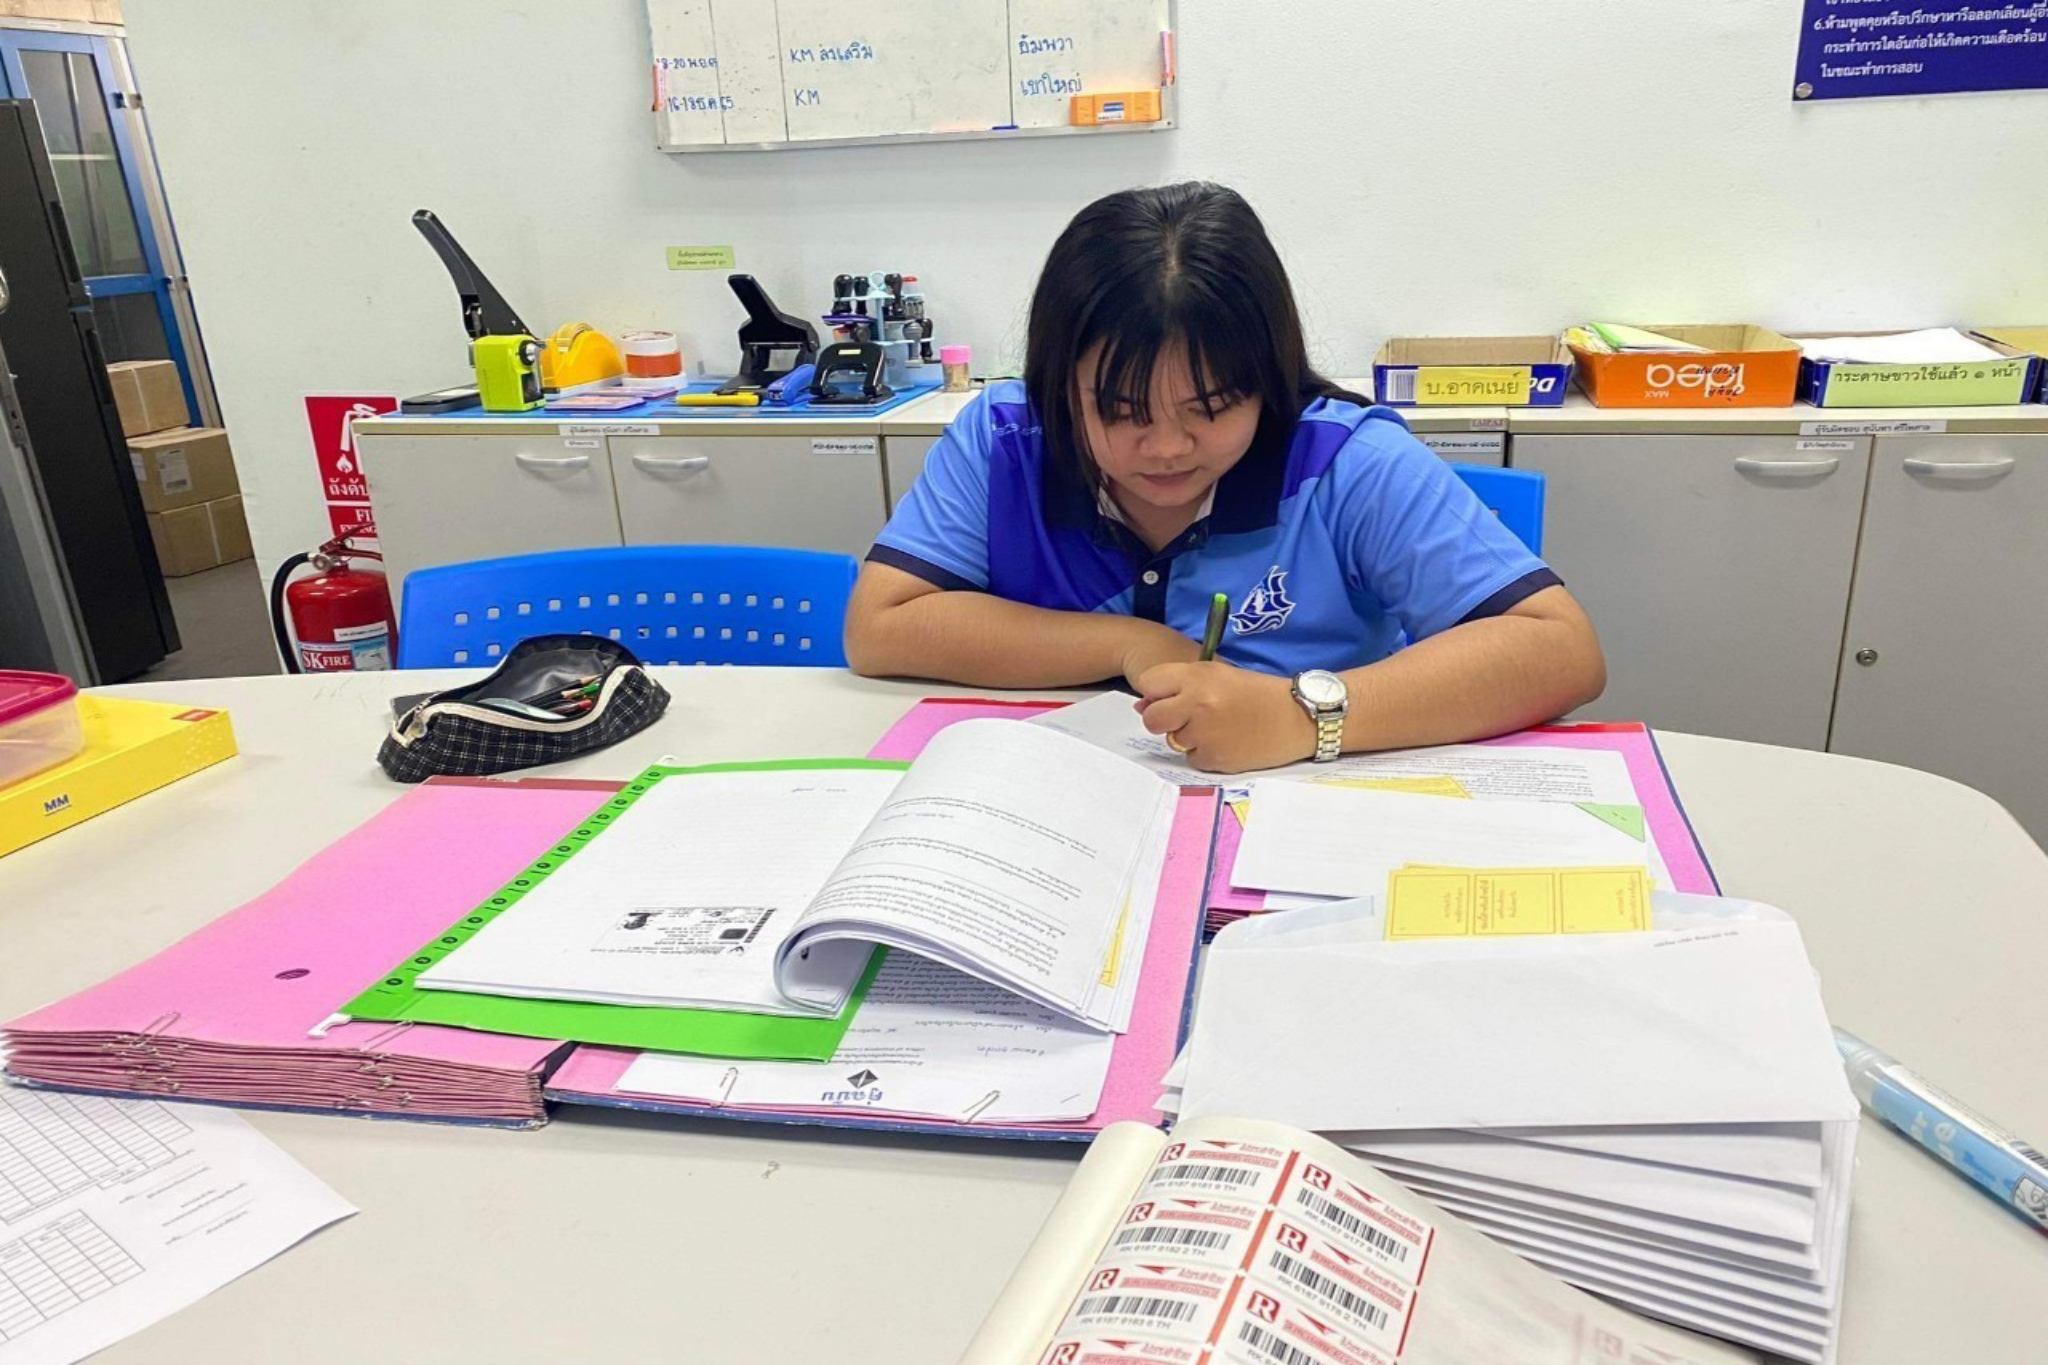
1169	441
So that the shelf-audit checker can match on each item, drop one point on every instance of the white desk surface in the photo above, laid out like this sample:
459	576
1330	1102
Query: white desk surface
611	1236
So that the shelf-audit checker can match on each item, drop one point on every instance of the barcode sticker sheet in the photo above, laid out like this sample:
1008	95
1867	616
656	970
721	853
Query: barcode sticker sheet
1243	1252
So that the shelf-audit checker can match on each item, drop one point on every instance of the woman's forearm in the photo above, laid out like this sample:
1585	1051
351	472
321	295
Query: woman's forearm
985	641
1482	678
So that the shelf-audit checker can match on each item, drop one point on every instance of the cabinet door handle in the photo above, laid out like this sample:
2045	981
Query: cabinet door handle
548	464
1788	469
1958	471
671	464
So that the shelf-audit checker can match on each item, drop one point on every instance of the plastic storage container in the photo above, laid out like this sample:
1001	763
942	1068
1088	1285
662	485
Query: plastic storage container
652	355
39	725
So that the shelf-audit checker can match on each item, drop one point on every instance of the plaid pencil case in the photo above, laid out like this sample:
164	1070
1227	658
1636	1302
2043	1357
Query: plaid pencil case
553	698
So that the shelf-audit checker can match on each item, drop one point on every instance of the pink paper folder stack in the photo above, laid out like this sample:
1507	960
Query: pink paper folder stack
1140	1057
236	1013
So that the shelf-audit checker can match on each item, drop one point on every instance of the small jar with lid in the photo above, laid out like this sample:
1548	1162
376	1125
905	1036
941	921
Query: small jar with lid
651	355
955	363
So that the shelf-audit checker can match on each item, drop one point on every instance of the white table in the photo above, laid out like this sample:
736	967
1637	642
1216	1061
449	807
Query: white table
609	1236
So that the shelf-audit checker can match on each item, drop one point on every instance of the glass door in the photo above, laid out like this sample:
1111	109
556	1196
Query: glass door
70	78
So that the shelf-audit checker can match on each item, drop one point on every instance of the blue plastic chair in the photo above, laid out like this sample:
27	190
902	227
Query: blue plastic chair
1515	495
669	604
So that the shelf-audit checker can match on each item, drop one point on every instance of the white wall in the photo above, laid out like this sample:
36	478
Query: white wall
1429	166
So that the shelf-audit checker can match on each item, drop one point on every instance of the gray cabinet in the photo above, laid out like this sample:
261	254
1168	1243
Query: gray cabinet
1945	661
804	492
1716	569
903	458
447	499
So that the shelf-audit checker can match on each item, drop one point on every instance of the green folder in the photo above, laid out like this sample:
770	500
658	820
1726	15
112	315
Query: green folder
712	1033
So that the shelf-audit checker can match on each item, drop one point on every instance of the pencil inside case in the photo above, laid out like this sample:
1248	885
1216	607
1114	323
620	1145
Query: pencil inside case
523	714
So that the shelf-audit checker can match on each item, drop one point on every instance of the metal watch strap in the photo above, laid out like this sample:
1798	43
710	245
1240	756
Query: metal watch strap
1329	735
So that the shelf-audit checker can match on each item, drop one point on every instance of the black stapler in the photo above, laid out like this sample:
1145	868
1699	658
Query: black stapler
850	373
772	343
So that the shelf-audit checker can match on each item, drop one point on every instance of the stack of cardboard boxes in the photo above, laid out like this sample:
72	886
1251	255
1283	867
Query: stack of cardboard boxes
187	473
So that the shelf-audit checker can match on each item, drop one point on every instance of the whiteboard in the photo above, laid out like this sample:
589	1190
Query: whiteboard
749	74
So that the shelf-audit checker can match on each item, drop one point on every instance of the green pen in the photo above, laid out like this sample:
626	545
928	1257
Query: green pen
1219	608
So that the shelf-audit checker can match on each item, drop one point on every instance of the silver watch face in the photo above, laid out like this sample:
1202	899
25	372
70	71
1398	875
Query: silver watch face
1320	690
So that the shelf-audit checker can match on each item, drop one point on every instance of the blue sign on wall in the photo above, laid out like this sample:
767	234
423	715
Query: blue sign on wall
1854	48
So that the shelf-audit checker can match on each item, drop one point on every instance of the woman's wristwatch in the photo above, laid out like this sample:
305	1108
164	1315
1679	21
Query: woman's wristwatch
1326	699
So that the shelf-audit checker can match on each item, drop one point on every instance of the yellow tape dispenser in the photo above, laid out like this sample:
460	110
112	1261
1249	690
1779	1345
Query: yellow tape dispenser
579	354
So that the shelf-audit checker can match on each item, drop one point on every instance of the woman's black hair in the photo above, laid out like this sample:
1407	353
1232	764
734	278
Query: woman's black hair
1142	270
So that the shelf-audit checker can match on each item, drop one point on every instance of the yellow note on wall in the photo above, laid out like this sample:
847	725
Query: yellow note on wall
1480	384
1478	902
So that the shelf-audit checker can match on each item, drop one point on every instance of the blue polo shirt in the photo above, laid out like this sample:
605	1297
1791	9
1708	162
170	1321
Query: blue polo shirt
1338	537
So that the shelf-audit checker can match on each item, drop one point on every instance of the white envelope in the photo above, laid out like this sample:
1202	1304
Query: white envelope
1754	1207
1787	1153
1322	840
1800	1298
1705	1026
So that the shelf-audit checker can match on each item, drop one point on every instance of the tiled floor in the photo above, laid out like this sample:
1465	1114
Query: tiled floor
224	622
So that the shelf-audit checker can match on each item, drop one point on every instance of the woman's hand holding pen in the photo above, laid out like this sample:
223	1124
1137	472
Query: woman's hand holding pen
1224	718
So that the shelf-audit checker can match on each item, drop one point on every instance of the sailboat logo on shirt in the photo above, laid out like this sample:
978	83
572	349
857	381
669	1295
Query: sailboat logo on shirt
1265	607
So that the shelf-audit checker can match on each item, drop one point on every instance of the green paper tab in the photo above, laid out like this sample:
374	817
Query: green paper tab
700	258
1627	819
711	1033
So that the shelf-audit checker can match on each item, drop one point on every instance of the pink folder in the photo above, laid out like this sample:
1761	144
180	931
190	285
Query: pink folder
1138	1058
234	1013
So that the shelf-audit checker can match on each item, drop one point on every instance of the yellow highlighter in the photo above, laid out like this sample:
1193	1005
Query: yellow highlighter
718	400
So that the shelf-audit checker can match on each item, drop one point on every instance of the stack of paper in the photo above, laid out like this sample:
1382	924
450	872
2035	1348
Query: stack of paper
241	1012
1620	338
1929	346
933	1049
1658	1117
1602	786
1311	838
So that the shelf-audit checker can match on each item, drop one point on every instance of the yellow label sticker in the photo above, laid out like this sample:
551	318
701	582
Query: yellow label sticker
700	258
1475	902
1480	384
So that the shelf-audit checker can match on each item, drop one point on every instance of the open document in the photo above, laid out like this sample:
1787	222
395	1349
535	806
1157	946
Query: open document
928	1042
1246	1243
1525	773
1016	855
116	1213
1313	839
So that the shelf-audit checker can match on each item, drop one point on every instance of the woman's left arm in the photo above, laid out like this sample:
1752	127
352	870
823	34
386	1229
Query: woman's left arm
1534	662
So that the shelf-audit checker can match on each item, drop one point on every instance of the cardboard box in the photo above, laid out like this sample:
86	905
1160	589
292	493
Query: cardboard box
1473	372
183	468
192	540
1744	366
2030	339
131	747
1847	384
149	396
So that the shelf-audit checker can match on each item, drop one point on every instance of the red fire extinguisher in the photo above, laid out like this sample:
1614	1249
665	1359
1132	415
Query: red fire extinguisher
339	620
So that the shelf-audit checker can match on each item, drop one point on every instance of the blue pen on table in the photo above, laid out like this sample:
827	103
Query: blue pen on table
2004	1167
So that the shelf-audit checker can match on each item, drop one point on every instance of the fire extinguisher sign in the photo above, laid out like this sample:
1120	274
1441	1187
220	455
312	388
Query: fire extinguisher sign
331	417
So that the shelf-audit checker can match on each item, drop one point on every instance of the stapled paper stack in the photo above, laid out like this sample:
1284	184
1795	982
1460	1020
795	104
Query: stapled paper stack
241	1011
1659	1117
